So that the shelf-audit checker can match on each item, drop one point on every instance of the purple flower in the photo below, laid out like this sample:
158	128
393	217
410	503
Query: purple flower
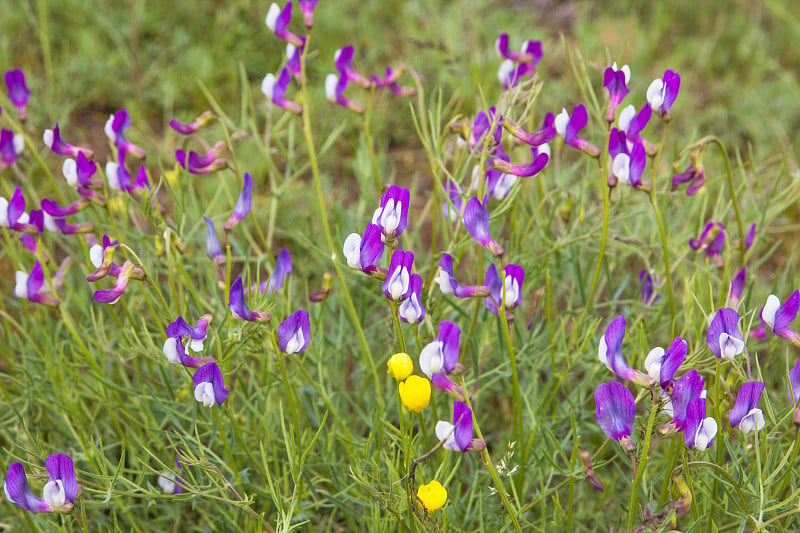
79	172
628	166
307	7
510	73
392	215
242	208
411	310
293	58
793	387
239	307
112	295
540	158
631	124
694	175
662	92
449	284
615	81
514	277
778	318
737	287
364	252
213	248
439	358
174	348
10	147
750	237
278	19
745	414
335	86
457	436
648	292
397	285
543	135
390	81
481	126
690	387
209	388
294	333
116	124
498	182
283	267
615	412
724	338
517	64
52	138
344	64
476	220
102	257
197	164
452	209
187	128
31	286
568	126
13	215
170	483
58	494
712	240
661	365
610	354
700	430
275	89
18	92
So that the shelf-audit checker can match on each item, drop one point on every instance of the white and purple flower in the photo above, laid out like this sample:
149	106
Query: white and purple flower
568	126
411	310
615	82
397	285
661	365
457	436
745	414
507	291
724	338
439	358
209	387
610	354
448	283
239	307
778	318
615	411
335	86
392	215
18	92
58	494
661	93
114	129
278	19
294	333
11	146
364	252
275	90
52	139
699	431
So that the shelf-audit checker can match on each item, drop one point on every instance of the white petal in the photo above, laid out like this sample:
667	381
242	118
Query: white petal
167	483
352	250
562	119
398	283
505	71
70	171
390	218
625	118
627	70
21	287
706	432
512	292
655	93
50	223
653	362
770	310
112	175
107	129
96	255
410	309
48	138
290	50
53	493
272	16
170	349
753	420
602	351
543	149
18	142
296	342
621	167
3	212
503	185
196	345
24	218
431	359
443	280
331	81
204	393
730	347
267	84
445	431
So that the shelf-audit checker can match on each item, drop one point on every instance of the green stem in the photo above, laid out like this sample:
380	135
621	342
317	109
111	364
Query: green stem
515	391
606	214
398	331
642	464
368	139
661	230
732	189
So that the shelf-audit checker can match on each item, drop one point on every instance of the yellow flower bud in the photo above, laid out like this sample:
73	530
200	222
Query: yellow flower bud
173	175
433	496
415	393
400	366
117	205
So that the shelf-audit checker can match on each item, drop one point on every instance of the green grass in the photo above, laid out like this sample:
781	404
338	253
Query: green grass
90	380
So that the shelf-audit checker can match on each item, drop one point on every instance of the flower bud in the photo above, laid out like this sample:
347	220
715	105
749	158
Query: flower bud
400	366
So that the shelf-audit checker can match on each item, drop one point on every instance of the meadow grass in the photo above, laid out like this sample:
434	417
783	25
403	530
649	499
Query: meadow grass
319	441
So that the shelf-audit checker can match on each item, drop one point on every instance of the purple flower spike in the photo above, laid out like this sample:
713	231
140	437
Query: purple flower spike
712	240
441	355
457	436
615	412
294	333
778	318
661	365
745	414
689	387
568	126
187	128
18	91
213	248
307	7
31	286
724	338
335	86
209	387
737	287
411	310
10	147
448	283
278	19
661	94
628	167
392	215
541	156
52	138
112	295
648	292
481	126
363	252
275	89
242	208
615	81
344	64
17	491
283	267
543	135
397	285
114	129
476	220
700	430
610	354
632	123
239	308
514	277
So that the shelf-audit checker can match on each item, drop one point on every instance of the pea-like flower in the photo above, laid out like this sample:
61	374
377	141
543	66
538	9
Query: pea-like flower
392	215
114	129
275	90
31	286
648	291
13	215
171	483
628	166
194	163
476	220
102	258
278	19
18	92
439	358
432	496
58	494
700	430
724	338
364	252
415	393
485	124
209	387
294	333
661	365
397	285
449	284
400	366
113	294
344	64
411	310
712	240
661	93
737	287
79	173
213	248
543	135
174	348
242	207
457	436
390	81
283	267
610	354
52	139
514	276
568	126
307	8
517	65
632	123
540	156
690	387
615	410
239	307
188	128
778	318
335	86
745	414
615	82
11	146
694	175
293	59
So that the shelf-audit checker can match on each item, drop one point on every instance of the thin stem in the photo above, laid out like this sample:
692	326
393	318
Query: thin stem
732	189
606	214
368	139
661	230
642	463
515	391
398	331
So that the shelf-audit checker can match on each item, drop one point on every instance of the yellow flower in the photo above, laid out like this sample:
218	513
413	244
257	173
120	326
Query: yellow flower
415	393
173	175
433	496
400	366
117	205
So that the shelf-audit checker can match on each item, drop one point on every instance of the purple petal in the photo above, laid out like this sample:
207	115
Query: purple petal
242	208
787	312
297	326
577	121
746	399
688	388
59	466
462	420
726	321
750	237
210	373
17	490
737	285
673	359
449	335
283	267
213	248
495	285
371	247
615	409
